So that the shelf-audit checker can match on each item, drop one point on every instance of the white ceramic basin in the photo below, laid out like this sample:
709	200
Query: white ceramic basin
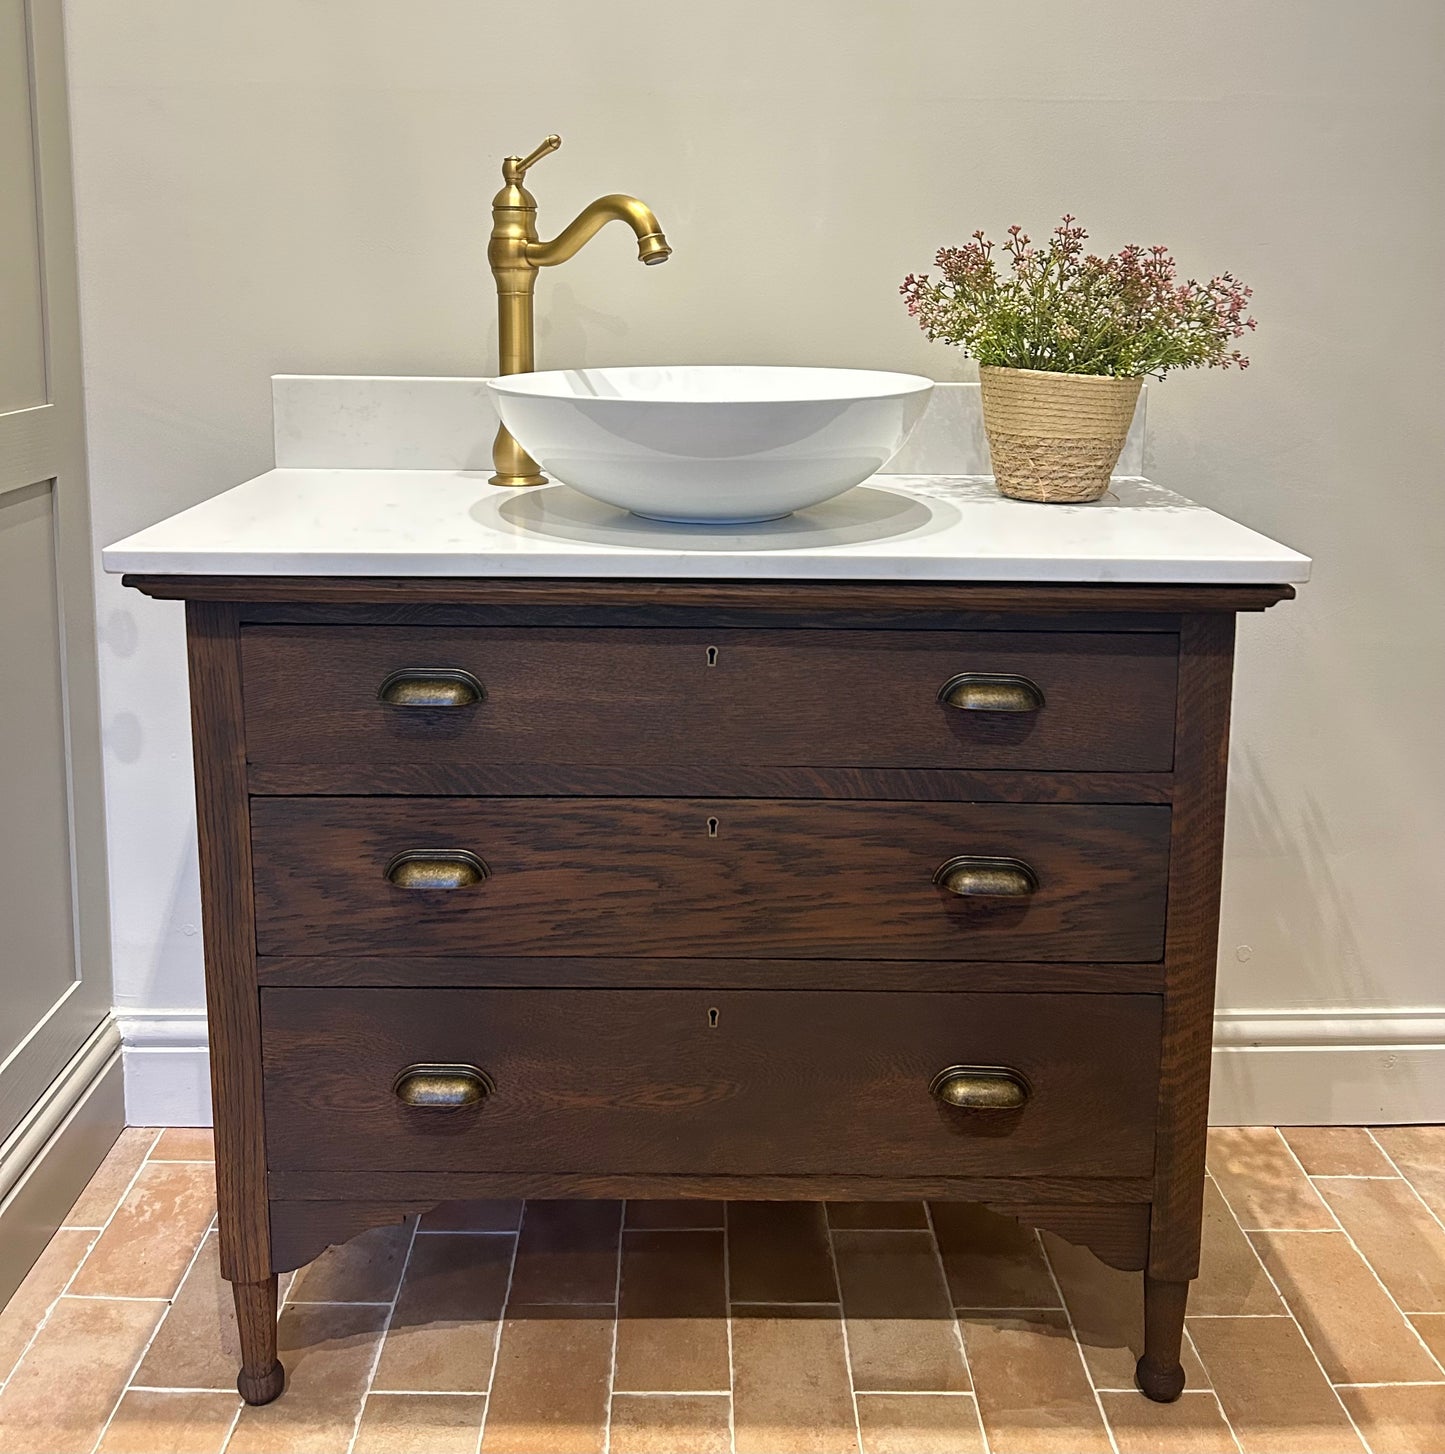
711	445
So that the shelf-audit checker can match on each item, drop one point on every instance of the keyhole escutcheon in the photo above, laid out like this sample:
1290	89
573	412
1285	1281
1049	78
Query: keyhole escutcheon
712	656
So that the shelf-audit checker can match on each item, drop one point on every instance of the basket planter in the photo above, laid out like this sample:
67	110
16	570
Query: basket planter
1055	438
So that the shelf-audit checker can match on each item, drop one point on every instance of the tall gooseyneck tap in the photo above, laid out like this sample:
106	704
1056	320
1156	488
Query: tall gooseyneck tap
516	254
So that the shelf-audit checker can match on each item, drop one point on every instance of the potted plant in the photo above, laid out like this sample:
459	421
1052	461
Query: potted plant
1064	340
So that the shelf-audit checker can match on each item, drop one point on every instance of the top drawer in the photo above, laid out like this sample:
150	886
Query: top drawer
1088	701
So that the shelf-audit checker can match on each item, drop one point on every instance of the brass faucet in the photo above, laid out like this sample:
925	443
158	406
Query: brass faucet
515	254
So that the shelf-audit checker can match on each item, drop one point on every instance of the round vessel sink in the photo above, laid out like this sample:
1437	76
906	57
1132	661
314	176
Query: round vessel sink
711	445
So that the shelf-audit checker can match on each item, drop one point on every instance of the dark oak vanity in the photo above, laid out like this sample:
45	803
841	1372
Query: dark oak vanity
685	888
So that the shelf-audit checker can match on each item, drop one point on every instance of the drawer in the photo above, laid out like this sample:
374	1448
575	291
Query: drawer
680	1081
680	877
1101	701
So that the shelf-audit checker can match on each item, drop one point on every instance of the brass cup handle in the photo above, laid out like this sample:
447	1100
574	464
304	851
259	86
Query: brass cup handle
972	877
980	1088
436	868
431	686
973	691
442	1087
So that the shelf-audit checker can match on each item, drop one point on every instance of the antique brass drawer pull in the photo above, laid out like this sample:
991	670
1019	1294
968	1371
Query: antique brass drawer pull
436	868
980	1088
431	686
973	691
442	1087
986	878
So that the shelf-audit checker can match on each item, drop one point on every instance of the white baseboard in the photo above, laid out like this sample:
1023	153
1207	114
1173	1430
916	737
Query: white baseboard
1286	1068
167	1068
51	1155
1324	1067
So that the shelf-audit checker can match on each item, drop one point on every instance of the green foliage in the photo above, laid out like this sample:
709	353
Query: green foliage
1056	308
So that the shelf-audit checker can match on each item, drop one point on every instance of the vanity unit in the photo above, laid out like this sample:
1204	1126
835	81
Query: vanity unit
546	852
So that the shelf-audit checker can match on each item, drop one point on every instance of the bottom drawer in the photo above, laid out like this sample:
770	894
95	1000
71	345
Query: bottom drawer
692	1081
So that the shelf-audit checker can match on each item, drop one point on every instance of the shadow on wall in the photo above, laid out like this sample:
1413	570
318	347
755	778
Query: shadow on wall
1373	1072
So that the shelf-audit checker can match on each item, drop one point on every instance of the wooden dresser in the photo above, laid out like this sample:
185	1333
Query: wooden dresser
688	888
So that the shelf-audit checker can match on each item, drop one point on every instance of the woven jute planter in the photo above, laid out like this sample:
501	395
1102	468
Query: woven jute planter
1055	438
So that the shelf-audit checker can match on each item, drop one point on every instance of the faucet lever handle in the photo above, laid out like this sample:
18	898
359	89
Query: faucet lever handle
515	168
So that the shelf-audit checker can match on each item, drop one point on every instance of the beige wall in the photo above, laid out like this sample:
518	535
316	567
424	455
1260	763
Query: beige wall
302	185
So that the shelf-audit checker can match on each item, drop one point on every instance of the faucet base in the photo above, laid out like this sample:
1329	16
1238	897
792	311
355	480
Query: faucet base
509	481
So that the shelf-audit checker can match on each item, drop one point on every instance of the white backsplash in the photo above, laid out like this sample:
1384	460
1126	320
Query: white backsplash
325	421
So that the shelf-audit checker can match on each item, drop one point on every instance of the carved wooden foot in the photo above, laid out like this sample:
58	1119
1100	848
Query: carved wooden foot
1159	1373
262	1376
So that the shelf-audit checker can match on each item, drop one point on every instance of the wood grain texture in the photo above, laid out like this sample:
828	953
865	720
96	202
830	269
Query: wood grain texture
414	971
481	779
791	879
232	1007
1159	1372
689	1081
751	595
228	928
447	1186
1196	853
870	615
261	1377
722	698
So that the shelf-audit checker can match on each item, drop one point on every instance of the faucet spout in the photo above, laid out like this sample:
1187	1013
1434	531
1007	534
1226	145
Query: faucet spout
652	246
516	255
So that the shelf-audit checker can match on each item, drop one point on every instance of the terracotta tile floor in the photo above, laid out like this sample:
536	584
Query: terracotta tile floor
1318	1323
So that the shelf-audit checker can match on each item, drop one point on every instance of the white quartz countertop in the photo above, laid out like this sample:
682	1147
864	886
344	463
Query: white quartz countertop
440	522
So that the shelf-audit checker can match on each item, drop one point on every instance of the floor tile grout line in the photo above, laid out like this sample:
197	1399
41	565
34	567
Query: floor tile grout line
1402	1383
728	1305
109	1297
1299	1327
235	1419
1218	1402
957	1323
1399	1171
1235	1211
916	1393
843	1327
175	1388
1293	1231
1078	1345
616	1324
75	1271
1237	1317
155	1332
501	1327
674	1392
1415	1332
381	1341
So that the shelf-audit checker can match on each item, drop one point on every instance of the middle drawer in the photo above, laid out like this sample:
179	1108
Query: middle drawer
710	877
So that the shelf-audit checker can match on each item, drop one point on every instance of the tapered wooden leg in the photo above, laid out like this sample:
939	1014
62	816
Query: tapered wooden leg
1159	1373
262	1376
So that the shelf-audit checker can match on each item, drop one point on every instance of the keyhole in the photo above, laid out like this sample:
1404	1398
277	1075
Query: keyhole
712	1019
712	827
712	656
